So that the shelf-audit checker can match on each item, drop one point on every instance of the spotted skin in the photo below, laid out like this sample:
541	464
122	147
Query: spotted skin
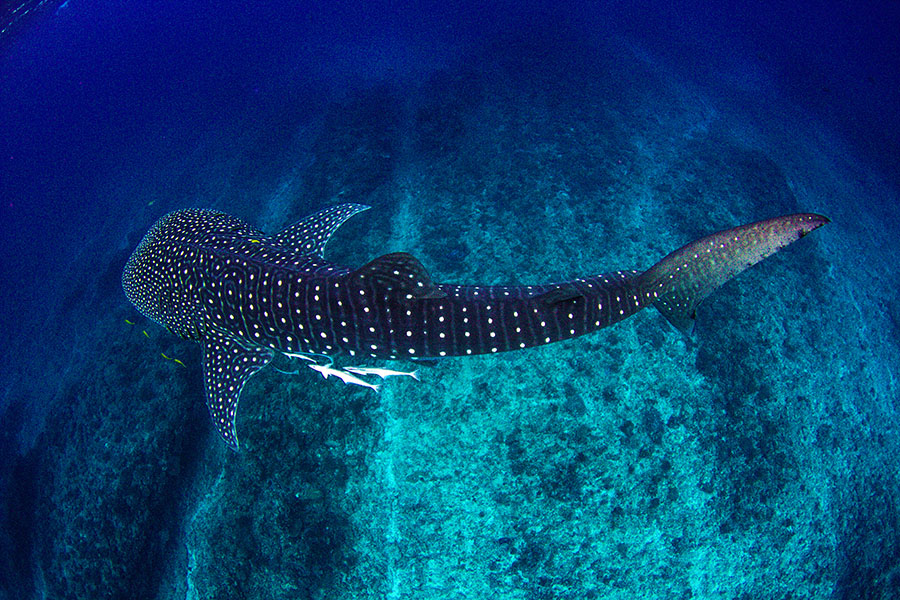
210	277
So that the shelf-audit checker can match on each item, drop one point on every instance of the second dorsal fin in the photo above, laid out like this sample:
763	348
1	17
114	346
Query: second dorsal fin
560	295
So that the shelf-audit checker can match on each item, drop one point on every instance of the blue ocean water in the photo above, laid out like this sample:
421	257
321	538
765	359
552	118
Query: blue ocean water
509	143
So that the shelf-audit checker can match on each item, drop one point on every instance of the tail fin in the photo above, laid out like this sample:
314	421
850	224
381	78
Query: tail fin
680	281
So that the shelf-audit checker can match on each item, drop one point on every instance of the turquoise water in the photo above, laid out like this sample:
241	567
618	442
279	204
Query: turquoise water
756	459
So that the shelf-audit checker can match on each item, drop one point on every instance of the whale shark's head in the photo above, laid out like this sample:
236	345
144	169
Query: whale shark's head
159	277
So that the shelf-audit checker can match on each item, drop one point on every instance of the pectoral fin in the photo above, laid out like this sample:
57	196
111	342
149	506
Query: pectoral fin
227	365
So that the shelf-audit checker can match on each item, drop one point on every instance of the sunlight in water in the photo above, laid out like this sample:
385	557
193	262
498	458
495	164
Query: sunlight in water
21	11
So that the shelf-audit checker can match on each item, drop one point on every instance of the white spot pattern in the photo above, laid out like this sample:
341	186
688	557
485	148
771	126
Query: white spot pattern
212	278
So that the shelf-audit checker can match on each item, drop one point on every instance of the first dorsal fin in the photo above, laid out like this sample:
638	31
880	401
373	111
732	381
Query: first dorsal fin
309	235
398	272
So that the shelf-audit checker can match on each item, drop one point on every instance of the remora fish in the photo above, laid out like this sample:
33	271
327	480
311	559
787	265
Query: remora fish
212	278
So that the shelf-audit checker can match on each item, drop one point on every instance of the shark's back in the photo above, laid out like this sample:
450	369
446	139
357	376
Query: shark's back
189	251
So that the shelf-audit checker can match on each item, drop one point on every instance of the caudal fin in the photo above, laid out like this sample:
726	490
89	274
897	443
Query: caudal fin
680	281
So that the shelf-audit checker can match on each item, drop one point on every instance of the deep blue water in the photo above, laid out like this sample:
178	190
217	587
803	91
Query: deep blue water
503	143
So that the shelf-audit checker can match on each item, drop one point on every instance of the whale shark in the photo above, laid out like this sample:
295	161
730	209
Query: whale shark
245	296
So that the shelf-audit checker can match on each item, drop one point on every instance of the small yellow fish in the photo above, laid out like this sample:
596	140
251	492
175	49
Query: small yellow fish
146	335
173	359
254	241
129	322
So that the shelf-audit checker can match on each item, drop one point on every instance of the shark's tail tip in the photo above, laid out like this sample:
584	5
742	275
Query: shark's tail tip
681	280
803	222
